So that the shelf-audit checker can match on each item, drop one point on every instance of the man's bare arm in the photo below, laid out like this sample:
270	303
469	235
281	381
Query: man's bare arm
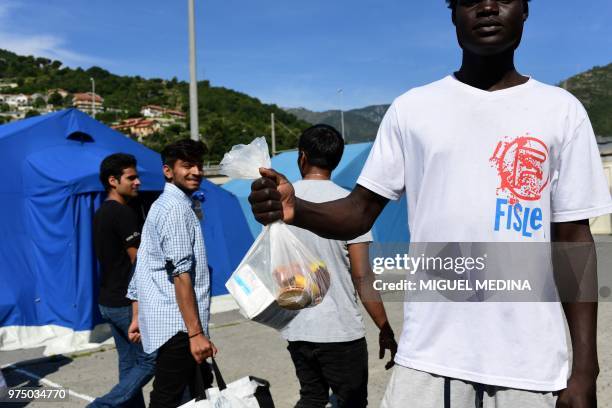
363	280
134	329
185	297
131	251
201	348
582	321
273	198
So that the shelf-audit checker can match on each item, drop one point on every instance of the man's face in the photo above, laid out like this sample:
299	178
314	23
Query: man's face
128	184
185	175
489	27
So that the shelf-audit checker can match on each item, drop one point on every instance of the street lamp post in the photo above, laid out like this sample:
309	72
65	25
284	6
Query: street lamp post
341	92
93	97
193	80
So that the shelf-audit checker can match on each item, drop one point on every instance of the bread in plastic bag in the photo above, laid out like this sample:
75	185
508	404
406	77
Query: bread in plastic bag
297	278
277	260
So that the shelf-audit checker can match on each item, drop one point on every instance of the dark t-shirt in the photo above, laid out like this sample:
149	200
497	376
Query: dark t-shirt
115	229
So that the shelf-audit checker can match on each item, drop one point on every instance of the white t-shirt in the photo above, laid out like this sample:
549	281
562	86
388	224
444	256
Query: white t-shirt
337	317
464	156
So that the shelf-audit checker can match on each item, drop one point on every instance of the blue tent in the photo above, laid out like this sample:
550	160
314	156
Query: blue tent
392	224
48	271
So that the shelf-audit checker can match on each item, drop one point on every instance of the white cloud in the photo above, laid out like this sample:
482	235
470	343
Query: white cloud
40	44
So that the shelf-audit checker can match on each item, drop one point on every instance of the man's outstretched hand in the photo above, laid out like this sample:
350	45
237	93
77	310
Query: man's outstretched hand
272	198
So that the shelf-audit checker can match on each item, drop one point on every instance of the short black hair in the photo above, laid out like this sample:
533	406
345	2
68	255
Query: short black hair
453	3
185	149
114	165
323	146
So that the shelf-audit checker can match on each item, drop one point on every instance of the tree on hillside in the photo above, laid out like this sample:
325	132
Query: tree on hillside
108	117
67	102
226	117
39	103
32	113
56	99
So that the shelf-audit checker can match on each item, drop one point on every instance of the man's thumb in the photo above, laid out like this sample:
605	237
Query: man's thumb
272	174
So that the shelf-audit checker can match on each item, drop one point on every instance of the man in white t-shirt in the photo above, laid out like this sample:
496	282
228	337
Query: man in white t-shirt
327	342
484	155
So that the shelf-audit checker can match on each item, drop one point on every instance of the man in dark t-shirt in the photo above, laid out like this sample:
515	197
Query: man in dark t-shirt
116	238
116	232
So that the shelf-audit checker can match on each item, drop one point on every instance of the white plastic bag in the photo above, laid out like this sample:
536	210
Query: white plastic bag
278	267
247	392
244	161
238	394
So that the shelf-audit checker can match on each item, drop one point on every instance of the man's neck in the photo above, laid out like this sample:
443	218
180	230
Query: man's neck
316	173
113	195
188	193
490	73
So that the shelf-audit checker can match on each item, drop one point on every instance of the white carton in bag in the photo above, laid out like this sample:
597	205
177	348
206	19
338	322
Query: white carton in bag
257	302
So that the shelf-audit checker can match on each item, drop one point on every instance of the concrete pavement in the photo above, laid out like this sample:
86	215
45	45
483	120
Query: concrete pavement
246	348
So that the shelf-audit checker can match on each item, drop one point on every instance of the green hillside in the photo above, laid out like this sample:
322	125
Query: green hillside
594	89
226	117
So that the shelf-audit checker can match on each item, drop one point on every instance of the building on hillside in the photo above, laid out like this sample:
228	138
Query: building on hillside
176	114
139	127
9	85
63	93
85	101
146	128
152	111
15	101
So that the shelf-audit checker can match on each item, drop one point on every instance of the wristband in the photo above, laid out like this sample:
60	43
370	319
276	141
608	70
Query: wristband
196	334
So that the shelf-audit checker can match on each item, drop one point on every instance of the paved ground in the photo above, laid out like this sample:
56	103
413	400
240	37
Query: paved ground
245	348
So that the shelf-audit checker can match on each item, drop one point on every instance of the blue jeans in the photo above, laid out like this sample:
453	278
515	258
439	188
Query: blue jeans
136	368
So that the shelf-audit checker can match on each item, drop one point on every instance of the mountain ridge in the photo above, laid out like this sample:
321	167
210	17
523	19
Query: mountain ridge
593	88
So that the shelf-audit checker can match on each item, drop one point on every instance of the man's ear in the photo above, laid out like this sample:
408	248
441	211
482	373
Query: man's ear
168	173
113	182
302	159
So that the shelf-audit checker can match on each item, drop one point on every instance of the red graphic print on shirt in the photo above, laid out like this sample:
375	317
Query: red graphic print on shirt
520	164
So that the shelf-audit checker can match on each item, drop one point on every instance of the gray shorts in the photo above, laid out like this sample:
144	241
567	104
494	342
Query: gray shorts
418	389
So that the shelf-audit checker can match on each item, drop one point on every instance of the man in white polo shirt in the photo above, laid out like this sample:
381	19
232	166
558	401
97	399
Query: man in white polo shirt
471	151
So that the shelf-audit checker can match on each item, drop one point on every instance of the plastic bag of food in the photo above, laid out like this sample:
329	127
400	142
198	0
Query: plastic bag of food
278	272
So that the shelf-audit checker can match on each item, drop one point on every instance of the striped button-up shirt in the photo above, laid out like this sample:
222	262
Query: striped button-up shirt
171	243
